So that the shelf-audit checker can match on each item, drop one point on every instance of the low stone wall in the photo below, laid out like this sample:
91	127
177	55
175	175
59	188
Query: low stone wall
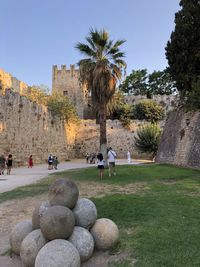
119	138
180	142
168	102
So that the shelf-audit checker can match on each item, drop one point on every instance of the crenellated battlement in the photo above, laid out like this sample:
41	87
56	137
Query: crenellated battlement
72	68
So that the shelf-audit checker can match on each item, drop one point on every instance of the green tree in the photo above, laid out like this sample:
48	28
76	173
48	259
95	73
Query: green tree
139	82
100	71
60	105
182	50
161	83
36	94
135	83
148	138
148	110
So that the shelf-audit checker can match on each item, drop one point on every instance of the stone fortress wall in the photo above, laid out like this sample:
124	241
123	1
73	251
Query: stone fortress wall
180	142
119	138
27	128
168	102
8	81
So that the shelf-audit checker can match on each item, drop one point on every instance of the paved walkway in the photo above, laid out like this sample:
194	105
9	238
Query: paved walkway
24	176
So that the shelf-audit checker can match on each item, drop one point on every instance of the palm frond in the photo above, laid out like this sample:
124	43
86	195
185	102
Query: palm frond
85	49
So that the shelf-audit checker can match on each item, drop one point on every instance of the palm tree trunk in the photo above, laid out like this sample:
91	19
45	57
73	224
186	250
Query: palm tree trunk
102	122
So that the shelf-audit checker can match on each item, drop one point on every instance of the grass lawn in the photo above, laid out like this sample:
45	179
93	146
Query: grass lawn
159	226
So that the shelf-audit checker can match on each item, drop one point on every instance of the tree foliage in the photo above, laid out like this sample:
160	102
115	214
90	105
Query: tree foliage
57	104
135	83
139	82
37	94
148	110
60	106
183	50
148	138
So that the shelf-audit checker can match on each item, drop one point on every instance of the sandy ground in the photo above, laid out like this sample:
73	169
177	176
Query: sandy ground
14	211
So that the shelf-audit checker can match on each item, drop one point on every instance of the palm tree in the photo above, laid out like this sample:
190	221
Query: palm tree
99	72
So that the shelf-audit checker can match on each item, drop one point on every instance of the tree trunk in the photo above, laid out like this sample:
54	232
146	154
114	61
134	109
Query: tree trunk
102	122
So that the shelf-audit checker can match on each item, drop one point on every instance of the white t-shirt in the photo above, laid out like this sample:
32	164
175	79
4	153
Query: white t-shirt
111	156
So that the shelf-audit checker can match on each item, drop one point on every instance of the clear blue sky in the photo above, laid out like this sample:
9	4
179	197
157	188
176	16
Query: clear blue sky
35	34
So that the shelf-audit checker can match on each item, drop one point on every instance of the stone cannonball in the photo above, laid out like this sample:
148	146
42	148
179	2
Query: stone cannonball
37	213
63	192
83	242
85	213
30	247
57	223
56	253
105	233
19	232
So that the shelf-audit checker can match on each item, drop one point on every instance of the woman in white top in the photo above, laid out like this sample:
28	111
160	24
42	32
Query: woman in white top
129	157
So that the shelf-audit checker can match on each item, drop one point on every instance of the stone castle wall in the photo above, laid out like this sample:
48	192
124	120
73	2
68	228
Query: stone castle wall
180	142
27	128
8	81
168	102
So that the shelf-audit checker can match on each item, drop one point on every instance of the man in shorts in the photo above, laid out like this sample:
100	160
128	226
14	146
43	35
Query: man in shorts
111	161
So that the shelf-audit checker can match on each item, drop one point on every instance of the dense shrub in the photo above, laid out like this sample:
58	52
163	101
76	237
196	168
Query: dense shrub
60	105
36	94
148	138
148	110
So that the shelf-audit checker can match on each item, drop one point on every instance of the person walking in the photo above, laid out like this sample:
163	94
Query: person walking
2	164
30	162
100	165
9	163
111	161
129	157
50	162
55	162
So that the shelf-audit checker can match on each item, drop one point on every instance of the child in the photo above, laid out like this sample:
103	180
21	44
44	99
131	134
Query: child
100	165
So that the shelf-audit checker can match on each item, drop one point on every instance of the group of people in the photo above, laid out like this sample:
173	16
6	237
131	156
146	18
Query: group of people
111	155
52	162
6	164
91	158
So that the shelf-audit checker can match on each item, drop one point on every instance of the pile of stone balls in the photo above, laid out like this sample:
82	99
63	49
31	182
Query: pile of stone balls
64	231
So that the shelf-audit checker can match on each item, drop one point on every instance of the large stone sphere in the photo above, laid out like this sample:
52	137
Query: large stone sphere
56	253
83	242
30	247
85	213
38	212
105	233
63	192
57	223
19	232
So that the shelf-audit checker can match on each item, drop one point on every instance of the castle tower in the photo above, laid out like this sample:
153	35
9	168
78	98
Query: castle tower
67	82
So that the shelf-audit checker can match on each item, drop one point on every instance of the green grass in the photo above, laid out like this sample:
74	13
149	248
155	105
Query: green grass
158	228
